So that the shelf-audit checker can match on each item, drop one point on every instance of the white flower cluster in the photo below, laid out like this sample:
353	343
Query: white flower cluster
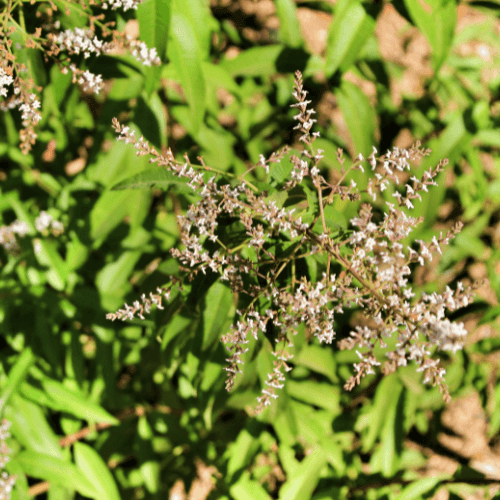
5	81
81	40
374	264
27	104
4	449
8	238
144	55
28	109
125	4
141	307
6	482
43	223
275	380
46	221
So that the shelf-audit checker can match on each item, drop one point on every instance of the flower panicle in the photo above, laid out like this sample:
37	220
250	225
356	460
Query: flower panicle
143	306
373	258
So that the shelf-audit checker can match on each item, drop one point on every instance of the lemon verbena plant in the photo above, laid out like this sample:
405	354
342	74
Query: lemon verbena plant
367	266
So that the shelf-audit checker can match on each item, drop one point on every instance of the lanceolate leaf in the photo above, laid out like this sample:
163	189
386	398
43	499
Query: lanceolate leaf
359	117
255	61
436	19
16	375
156	177
350	30
93	467
31	428
216	313
289	24
58	471
76	404
154	23
185	56
305	478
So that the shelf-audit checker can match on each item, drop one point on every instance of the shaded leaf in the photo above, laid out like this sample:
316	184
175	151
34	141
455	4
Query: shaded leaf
154	24
185	56
256	61
305	478
154	178
58	471
77	404
90	463
16	376
350	30
436	19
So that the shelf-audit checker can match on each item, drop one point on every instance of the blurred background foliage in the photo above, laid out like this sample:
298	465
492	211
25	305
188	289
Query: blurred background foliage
138	410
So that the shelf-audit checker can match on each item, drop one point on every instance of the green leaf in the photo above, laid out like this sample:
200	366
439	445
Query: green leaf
288	461
281	172
279	197
150	471
256	61
451	142
47	255
185	56
39	397
93	467
374	419
494	425
21	490
334	219
219	77
488	138
30	57
285	427
77	404
130	85
157	177
57	471
112	279
218	306
200	17
392	432
150	117
436	19
76	252
290	33
16	376
312	201
425	486
154	24
315	393
333	451
318	359
469	241
242	451
247	489
359	117
149	466
348	33
305	478
111	208
30	428
312	266
217	148
70	14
